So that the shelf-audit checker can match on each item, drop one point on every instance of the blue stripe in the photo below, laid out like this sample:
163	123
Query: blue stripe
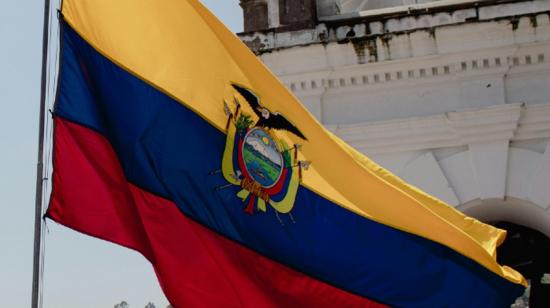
169	150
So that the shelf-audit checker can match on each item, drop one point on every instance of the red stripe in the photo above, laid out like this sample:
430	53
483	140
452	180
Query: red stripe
196	267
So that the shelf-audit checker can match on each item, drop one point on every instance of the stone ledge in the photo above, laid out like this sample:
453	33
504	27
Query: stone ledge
501	60
371	24
508	122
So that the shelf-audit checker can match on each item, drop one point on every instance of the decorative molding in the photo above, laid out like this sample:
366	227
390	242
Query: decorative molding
510	122
534	123
432	68
496	123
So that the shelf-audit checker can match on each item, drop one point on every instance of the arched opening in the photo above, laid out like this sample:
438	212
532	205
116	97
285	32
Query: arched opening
527	245
527	251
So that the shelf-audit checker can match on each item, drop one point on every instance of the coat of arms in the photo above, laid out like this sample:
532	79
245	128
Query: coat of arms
265	167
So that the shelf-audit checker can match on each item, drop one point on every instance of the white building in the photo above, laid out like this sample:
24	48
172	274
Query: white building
451	95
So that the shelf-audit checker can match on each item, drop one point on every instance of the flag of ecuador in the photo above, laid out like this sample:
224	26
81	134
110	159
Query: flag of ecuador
172	139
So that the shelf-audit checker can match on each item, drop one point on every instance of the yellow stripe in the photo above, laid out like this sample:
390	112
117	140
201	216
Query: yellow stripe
485	235
179	47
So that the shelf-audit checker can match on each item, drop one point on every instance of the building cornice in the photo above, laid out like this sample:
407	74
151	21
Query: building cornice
529	58
373	24
509	122
412	10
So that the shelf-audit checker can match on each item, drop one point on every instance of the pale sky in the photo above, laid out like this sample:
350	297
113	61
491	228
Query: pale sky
79	271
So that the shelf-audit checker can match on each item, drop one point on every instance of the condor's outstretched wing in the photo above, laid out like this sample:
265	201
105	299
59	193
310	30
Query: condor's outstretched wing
251	99
275	120
278	121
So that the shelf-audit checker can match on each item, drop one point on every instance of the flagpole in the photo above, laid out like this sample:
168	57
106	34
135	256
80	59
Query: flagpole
38	222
